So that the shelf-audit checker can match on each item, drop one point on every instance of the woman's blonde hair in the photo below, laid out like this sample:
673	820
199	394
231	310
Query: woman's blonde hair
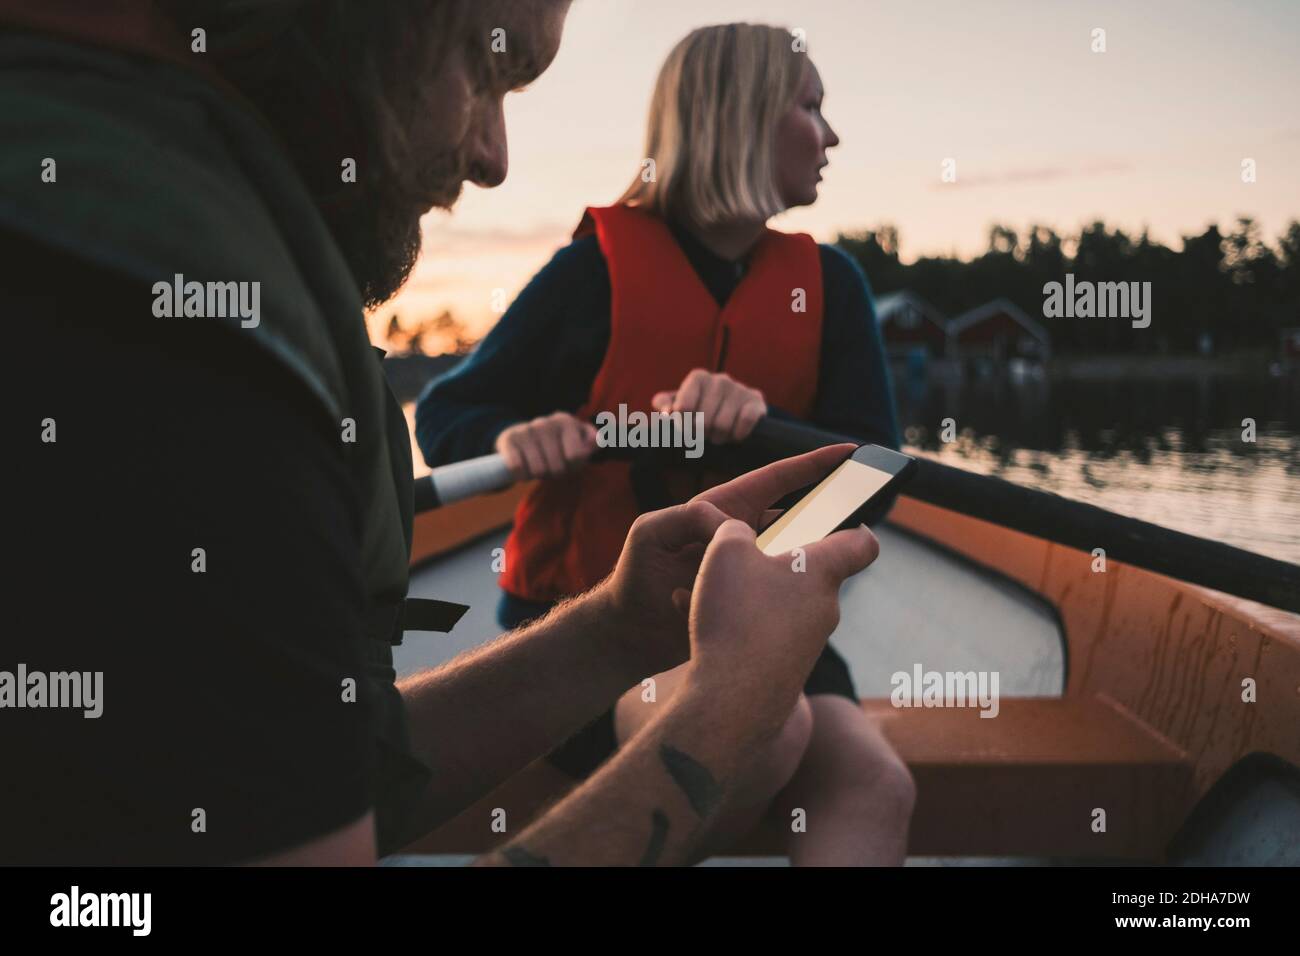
713	118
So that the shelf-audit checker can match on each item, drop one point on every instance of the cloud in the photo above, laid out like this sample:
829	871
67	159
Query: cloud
1042	174
443	236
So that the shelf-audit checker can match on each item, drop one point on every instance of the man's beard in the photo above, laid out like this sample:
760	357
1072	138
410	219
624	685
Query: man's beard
380	234
381	244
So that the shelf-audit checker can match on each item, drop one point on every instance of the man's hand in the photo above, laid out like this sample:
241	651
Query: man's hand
660	558
547	447
649	593
758	622
756	626
731	409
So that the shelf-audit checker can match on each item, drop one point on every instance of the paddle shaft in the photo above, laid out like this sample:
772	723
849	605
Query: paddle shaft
448	484
1041	514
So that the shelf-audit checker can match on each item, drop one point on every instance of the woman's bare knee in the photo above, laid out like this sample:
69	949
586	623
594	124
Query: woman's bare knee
895	776
893	786
877	775
781	757
854	764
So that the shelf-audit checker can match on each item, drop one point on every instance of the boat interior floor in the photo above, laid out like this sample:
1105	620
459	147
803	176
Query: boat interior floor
916	604
922	607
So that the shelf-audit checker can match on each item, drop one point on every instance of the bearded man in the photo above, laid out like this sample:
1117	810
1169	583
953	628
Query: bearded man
217	512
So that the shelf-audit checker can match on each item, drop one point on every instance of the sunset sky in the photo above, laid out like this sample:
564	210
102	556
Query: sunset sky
1150	133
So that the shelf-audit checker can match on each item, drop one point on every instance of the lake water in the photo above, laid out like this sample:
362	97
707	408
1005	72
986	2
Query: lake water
1167	452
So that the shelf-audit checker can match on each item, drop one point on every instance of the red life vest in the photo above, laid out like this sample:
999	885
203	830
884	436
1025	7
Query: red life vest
664	322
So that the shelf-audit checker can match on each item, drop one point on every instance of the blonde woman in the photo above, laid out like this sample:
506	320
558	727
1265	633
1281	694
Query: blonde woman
679	297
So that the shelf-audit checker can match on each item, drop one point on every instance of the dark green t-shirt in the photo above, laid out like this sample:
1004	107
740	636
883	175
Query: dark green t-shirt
221	689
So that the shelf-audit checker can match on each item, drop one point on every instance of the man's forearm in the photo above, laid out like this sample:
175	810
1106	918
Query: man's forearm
484	716
654	802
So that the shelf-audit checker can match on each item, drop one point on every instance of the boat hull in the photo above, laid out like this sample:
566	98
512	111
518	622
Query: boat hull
1124	695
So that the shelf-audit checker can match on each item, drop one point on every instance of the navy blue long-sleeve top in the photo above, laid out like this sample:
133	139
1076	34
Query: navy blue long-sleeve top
544	353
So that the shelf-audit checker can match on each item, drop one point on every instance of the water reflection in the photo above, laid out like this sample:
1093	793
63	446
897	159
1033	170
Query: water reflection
1168	452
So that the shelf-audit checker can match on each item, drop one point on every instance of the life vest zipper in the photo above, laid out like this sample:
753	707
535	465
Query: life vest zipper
722	350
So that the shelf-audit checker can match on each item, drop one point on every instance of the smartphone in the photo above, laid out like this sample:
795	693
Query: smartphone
859	489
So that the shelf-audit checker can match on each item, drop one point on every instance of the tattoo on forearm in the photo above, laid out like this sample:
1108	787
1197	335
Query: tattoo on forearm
658	838
519	856
696	782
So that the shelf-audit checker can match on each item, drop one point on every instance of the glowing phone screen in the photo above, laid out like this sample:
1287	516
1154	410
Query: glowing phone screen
818	513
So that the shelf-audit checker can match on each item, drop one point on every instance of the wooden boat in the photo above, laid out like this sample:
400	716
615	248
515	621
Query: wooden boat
1141	717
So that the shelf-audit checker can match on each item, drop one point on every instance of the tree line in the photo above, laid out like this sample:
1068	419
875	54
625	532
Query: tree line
1237	288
